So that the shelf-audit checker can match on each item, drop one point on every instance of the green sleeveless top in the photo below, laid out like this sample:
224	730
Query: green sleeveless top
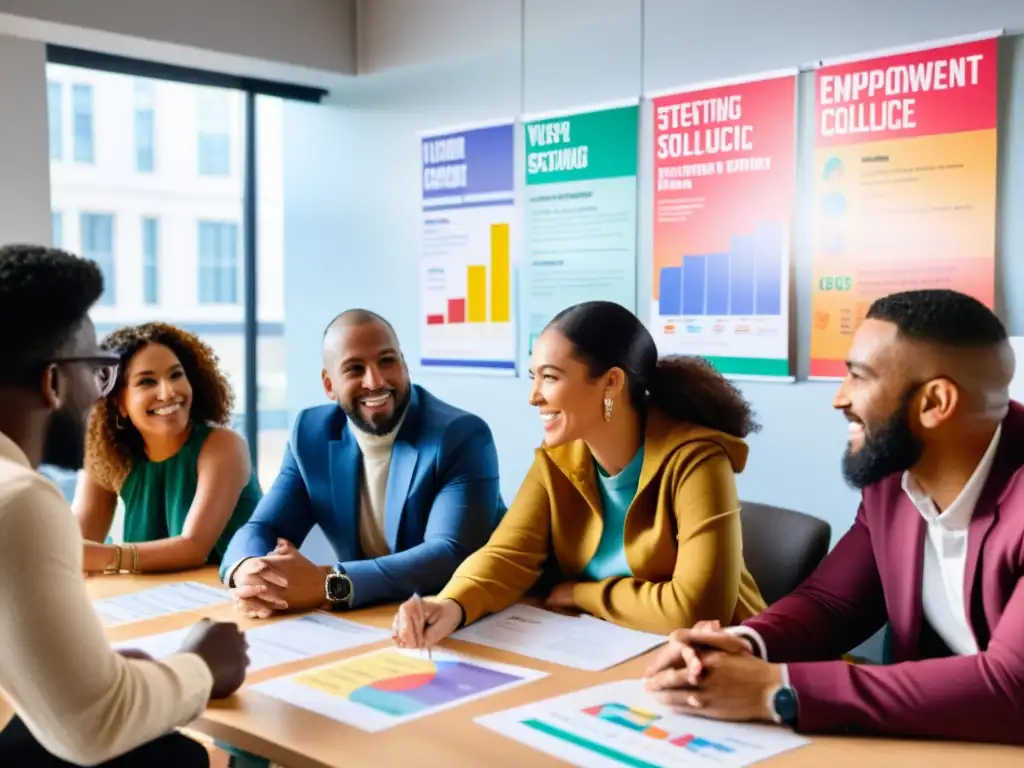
157	496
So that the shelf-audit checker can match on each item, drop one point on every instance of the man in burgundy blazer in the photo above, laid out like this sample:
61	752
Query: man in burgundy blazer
937	550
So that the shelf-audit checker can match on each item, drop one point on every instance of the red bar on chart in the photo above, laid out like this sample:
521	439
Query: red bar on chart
435	319
456	310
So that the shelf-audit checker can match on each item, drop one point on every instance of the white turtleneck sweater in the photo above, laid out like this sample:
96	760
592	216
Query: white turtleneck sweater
376	450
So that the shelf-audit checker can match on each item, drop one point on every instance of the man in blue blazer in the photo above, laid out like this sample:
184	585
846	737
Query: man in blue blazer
403	485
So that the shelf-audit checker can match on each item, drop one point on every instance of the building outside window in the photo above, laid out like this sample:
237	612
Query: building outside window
150	260
214	132
97	230
57	229
145	126
81	105
218	262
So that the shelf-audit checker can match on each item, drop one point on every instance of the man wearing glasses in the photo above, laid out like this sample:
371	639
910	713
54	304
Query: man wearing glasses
66	697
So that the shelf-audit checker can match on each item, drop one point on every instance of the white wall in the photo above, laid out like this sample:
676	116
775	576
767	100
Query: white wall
318	34
352	233
24	147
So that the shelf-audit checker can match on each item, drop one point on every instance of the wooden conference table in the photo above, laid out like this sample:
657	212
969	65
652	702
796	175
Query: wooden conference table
298	738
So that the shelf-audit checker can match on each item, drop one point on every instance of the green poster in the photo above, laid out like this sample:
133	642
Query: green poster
588	145
579	212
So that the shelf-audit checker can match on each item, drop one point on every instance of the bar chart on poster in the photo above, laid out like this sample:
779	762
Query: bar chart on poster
743	281
482	293
467	275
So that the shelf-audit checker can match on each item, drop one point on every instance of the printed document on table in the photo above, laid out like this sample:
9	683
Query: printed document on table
582	642
381	689
279	643
158	601
617	724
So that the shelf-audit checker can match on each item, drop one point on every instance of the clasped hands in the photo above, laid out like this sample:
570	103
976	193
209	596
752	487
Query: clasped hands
708	672
282	580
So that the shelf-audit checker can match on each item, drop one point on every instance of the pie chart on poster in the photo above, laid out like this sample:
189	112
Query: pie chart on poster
436	684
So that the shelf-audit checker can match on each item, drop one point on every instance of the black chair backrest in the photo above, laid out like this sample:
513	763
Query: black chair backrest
781	547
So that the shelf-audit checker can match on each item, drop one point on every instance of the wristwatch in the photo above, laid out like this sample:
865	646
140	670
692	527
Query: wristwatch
338	589
784	706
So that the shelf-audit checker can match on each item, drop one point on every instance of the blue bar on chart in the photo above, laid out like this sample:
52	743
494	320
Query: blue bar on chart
745	281
741	275
768	244
718	284
694	274
670	292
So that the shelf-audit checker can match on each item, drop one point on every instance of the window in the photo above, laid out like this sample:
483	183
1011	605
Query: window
57	225
81	102
214	132
98	245
218	262
54	94
137	221
150	261
145	126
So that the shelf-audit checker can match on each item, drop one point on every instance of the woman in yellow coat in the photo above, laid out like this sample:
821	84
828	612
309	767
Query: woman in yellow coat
633	493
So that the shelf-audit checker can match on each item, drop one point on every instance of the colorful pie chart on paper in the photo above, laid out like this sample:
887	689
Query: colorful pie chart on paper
399	684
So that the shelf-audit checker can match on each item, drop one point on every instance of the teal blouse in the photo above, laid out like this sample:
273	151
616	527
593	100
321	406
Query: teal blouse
617	493
157	496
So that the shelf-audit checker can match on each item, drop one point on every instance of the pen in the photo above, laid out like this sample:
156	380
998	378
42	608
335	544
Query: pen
423	623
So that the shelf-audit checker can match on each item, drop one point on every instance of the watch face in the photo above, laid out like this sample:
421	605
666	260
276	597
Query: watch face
785	705
339	588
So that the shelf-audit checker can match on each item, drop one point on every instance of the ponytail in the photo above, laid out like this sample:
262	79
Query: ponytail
690	389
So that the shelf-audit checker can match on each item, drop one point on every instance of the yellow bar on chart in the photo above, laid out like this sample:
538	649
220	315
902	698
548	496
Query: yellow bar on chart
501	269
476	294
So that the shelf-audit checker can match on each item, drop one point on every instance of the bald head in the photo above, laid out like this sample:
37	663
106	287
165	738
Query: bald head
348	319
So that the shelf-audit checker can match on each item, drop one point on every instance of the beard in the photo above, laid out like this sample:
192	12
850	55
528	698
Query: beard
65	441
385	425
888	448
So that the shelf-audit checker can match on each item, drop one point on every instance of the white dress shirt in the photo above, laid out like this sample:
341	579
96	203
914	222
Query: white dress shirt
945	555
945	562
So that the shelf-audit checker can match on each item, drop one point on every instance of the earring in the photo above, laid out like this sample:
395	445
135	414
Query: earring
118	424
608	405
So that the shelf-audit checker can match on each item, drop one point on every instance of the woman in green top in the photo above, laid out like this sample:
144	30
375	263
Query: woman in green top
160	441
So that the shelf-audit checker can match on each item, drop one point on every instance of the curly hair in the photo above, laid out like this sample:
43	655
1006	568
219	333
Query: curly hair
45	294
111	444
605	335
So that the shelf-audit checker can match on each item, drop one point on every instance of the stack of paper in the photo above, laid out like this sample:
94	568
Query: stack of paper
582	642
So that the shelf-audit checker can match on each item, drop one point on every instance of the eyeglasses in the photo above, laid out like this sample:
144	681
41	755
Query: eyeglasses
104	369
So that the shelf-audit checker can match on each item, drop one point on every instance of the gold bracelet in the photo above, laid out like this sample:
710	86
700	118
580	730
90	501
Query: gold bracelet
110	570
135	558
